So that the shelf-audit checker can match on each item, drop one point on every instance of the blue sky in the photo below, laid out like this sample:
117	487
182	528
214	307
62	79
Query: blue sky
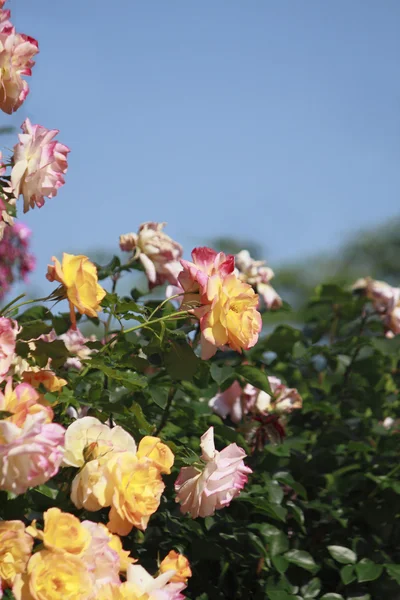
264	120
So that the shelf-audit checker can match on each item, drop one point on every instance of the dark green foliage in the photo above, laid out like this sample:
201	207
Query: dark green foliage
319	517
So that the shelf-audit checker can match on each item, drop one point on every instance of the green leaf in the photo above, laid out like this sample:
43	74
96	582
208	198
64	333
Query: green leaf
283	339
302	559
34	313
254	376
343	555
280	563
275	492
347	574
312	588
221	374
159	395
367	570
180	361
393	571
276	539
144	427
332	596
128	379
55	350
287	478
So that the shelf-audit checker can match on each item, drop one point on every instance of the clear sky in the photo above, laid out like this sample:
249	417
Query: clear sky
277	121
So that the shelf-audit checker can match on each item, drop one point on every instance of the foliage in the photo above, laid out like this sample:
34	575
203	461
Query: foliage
318	518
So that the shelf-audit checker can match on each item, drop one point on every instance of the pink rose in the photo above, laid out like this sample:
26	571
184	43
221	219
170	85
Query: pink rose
201	492
16	59
229	403
158	253
29	455
8	335
101	560
206	262
39	165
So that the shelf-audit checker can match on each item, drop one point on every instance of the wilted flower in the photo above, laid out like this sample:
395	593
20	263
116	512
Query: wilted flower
15	550
16	59
39	165
8	335
29	455
258	275
158	253
384	296
201	492
78	277
385	301
75	343
236	402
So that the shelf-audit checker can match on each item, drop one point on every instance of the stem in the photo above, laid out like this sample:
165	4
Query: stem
3	310
141	326
24	303
166	318
159	307
165	416
108	322
388	476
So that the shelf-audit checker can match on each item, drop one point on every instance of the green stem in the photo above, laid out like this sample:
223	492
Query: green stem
27	302
3	310
183	313
159	307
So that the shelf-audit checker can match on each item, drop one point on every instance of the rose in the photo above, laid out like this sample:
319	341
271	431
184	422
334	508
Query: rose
8	335
159	453
89	444
136	487
16	59
15	550
229	315
31	454
39	165
202	491
54	576
179	564
78	277
158	253
64	532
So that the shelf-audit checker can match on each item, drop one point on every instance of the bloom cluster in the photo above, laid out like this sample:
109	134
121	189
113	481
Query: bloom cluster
31	445
80	561
17	51
16	260
385	301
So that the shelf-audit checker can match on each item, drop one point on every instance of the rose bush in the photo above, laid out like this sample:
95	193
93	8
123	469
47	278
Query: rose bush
157	447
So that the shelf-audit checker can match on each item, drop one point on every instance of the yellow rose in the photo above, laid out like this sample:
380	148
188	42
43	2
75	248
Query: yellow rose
137	488
179	563
232	318
15	550
54	576
47	378
78	276
90	487
159	453
62	531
